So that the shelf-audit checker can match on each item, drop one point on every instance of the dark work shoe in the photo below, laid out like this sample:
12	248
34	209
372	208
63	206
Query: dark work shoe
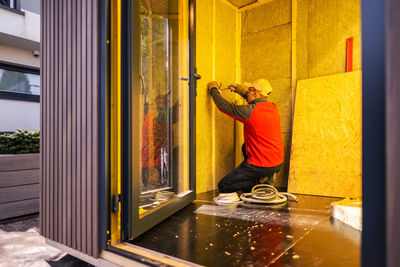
268	179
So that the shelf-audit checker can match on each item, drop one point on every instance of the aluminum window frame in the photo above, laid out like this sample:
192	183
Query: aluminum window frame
8	95
15	8
132	226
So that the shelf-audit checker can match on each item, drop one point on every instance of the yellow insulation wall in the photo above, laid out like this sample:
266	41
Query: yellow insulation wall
266	53
322	30
265	47
320	33
216	60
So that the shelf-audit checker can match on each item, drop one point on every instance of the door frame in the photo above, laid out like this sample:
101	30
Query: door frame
132	226
373	24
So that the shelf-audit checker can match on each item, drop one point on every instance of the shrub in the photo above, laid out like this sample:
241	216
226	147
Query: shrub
20	142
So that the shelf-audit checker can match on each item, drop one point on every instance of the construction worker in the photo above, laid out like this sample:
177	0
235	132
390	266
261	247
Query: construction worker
263	147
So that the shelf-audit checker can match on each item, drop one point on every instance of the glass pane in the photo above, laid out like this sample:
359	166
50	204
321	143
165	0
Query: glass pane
19	82
164	101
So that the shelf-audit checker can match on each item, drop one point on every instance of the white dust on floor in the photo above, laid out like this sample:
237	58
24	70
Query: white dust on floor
26	249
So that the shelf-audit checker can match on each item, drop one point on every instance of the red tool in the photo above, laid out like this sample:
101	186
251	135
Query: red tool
349	54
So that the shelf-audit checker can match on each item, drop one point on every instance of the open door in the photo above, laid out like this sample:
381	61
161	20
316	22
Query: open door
158	90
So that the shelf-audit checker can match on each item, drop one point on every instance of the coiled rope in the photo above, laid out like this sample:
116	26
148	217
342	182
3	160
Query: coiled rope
266	194
260	194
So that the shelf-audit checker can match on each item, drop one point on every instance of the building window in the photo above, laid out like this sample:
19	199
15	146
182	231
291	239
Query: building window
13	5
18	83
9	3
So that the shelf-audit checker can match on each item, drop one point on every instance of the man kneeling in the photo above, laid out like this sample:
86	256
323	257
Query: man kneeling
263	147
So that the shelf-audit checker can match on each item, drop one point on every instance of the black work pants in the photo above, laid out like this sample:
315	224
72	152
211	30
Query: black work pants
245	176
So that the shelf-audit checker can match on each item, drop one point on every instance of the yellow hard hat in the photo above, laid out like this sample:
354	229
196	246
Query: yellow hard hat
261	85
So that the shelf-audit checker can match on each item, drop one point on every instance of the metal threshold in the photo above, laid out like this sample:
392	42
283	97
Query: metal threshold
129	254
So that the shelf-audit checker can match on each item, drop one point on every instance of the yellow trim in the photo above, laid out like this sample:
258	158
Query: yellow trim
294	54
115	109
239	136
213	134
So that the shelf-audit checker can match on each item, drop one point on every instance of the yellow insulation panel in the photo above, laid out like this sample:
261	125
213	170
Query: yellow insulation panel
302	40
266	53
225	72
329	24
281	96
215	60
326	145
269	15
204	40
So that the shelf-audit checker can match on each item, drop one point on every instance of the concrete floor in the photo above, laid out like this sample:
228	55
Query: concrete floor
296	234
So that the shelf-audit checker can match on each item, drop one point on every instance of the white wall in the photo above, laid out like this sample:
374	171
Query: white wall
25	26
19	115
18	56
19	35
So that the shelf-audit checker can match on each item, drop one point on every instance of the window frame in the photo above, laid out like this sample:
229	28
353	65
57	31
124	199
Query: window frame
19	96
16	8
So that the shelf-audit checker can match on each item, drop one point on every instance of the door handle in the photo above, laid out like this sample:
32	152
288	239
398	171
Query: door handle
196	76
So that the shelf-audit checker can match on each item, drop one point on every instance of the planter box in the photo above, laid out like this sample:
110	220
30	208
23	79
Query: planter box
19	185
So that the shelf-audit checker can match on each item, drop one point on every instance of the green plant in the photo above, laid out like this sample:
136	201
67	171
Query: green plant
20	142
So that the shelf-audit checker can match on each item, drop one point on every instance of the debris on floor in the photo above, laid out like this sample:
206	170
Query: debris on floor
26	248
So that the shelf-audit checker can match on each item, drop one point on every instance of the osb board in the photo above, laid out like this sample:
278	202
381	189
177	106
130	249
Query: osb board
326	143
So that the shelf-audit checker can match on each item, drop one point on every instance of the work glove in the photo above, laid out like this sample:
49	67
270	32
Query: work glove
213	84
238	88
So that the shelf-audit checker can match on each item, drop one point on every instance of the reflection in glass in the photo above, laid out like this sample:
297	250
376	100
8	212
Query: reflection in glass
19	82
164	132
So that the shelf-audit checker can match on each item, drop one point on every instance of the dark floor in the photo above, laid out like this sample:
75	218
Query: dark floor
296	234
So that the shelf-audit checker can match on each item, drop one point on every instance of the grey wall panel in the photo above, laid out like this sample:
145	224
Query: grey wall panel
19	208
19	162
18	193
15	178
69	123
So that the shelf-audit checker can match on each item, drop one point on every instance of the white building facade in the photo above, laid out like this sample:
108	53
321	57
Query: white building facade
19	65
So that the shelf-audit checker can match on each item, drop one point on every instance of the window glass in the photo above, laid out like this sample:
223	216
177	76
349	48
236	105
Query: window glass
19	82
164	101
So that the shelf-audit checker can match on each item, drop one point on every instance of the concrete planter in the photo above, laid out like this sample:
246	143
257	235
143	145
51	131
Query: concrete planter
19	185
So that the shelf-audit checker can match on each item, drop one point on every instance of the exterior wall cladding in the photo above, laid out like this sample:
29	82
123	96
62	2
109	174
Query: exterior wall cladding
69	124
